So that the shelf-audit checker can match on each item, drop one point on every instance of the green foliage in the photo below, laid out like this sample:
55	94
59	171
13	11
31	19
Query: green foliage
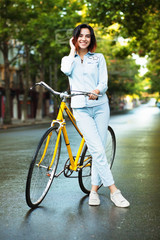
123	72
46	26
51	16
139	21
121	52
130	14
123	76
35	23
32	24
154	74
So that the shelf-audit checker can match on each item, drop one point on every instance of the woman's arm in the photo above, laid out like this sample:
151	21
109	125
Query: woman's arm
66	63
103	75
102	79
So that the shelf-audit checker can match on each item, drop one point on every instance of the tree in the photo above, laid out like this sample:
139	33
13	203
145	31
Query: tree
150	45
33	24
10	16
154	74
122	69
139	21
130	14
51	16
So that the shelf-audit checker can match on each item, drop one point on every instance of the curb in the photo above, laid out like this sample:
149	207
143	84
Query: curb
18	124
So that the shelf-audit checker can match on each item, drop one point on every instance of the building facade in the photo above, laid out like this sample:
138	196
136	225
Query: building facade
17	86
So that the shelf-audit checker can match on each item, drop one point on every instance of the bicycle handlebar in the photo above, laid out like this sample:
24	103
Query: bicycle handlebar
64	94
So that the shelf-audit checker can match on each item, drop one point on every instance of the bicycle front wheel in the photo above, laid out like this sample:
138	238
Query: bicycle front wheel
41	173
86	161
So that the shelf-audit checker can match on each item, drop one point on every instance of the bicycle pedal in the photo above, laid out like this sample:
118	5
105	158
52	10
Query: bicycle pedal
48	174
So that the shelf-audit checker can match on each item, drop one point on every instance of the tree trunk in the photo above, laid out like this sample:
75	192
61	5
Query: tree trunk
55	87
39	106
26	86
40	98
7	114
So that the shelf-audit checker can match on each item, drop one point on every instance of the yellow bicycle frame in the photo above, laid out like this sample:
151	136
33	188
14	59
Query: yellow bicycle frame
74	163
62	128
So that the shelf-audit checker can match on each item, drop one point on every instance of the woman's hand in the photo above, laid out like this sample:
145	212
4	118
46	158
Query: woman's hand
92	96
73	48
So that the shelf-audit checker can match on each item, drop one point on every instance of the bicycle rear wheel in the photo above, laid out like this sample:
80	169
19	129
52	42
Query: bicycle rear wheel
86	161
40	176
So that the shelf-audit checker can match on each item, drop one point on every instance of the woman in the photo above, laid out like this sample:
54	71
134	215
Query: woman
87	71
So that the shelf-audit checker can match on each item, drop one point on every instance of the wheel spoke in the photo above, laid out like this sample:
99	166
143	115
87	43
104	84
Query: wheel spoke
40	174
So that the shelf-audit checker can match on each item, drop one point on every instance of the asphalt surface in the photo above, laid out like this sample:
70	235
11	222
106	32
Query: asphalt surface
65	213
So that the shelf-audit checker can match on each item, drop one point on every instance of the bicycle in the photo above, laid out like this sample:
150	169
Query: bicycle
44	164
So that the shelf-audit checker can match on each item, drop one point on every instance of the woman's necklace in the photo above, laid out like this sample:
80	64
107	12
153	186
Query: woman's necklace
81	54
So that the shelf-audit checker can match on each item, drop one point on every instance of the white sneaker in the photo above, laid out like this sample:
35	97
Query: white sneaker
94	199
118	199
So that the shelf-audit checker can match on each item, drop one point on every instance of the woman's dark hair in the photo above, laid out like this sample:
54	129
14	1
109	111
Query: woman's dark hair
76	33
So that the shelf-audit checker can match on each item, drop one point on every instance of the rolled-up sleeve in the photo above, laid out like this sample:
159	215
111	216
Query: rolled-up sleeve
103	75
67	65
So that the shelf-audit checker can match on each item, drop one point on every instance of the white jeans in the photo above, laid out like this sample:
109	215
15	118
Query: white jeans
93	123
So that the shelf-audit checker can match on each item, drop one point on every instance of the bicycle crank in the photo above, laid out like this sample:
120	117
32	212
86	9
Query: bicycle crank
67	171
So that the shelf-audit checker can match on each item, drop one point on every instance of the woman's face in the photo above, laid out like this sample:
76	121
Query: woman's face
84	38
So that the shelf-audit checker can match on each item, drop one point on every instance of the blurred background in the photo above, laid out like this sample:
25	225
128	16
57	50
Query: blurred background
34	36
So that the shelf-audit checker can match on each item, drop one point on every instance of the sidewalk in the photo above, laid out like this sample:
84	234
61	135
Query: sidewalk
29	122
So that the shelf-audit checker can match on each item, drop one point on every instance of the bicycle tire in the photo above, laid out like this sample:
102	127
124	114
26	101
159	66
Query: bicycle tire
84	175
40	178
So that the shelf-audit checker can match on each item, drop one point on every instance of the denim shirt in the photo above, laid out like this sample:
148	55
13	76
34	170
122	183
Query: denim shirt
87	76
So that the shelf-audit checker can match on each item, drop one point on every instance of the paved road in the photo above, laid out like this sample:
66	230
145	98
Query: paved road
65	213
